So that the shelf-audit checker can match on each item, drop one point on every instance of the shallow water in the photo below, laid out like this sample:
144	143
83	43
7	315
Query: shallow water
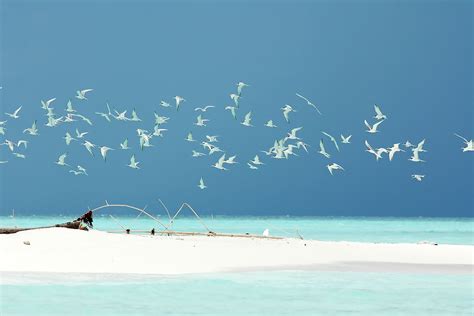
253	293
364	229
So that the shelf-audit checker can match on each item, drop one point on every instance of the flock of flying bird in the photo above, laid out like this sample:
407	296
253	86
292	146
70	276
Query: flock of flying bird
282	148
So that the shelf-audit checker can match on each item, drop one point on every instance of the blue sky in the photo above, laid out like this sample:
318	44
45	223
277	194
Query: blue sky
413	58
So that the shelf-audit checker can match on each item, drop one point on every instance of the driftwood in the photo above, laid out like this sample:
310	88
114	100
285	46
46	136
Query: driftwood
81	223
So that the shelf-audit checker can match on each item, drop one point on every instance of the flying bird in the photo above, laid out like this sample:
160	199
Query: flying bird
377	154
392	150
201	121
15	114
178	100
135	117
408	144
105	115
235	98
124	145
240	87
81	94
133	164
346	140
309	102
212	139
372	129
252	167
79	134
18	155
204	109
292	134
220	163
287	109
201	184
82	169
247	119
256	161
104	150
322	150
469	143
415	157
190	138
165	104
198	154
418	177
333	139
33	130
69	107
334	166
378	113
231	160
61	160
45	104
89	146
270	124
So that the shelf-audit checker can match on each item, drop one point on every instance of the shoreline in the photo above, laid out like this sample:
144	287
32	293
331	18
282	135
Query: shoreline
59	250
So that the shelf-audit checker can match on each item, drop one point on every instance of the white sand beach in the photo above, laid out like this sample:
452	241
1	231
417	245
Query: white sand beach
74	251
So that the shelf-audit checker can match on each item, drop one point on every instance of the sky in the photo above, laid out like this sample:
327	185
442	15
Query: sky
413	58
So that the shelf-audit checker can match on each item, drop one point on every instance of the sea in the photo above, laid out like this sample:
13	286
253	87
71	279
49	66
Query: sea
288	292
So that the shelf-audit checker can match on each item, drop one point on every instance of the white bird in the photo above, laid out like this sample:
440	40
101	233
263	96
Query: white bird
292	134
198	154
469	143
408	144
418	177
287	109
133	164
104	150
212	139
235	98
252	166
159	131
10	144
392	150
334	166
178	100
270	124
322	150
3	161
52	122
220	163
124	145
69	107
76	173
201	184
415	157
419	147
247	119
135	117
160	119
266	233
372	129
18	155
145	140
232	110
309	102
333	139
369	149
82	117
378	113
201	121
81	94
256	161
45	105
15	114
3	123
82	169
61	160
214	149
79	134
89	146
300	144
2	130
22	142
190	138
204	109
165	104
105	115
33	130
231	160
68	138
240	86
346	140
121	116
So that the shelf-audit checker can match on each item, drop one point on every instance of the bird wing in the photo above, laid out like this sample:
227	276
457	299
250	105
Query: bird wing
461	137
377	124
367	124
368	146
377	110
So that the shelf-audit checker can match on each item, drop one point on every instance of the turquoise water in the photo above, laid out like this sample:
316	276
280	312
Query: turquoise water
262	293
254	293
365	229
